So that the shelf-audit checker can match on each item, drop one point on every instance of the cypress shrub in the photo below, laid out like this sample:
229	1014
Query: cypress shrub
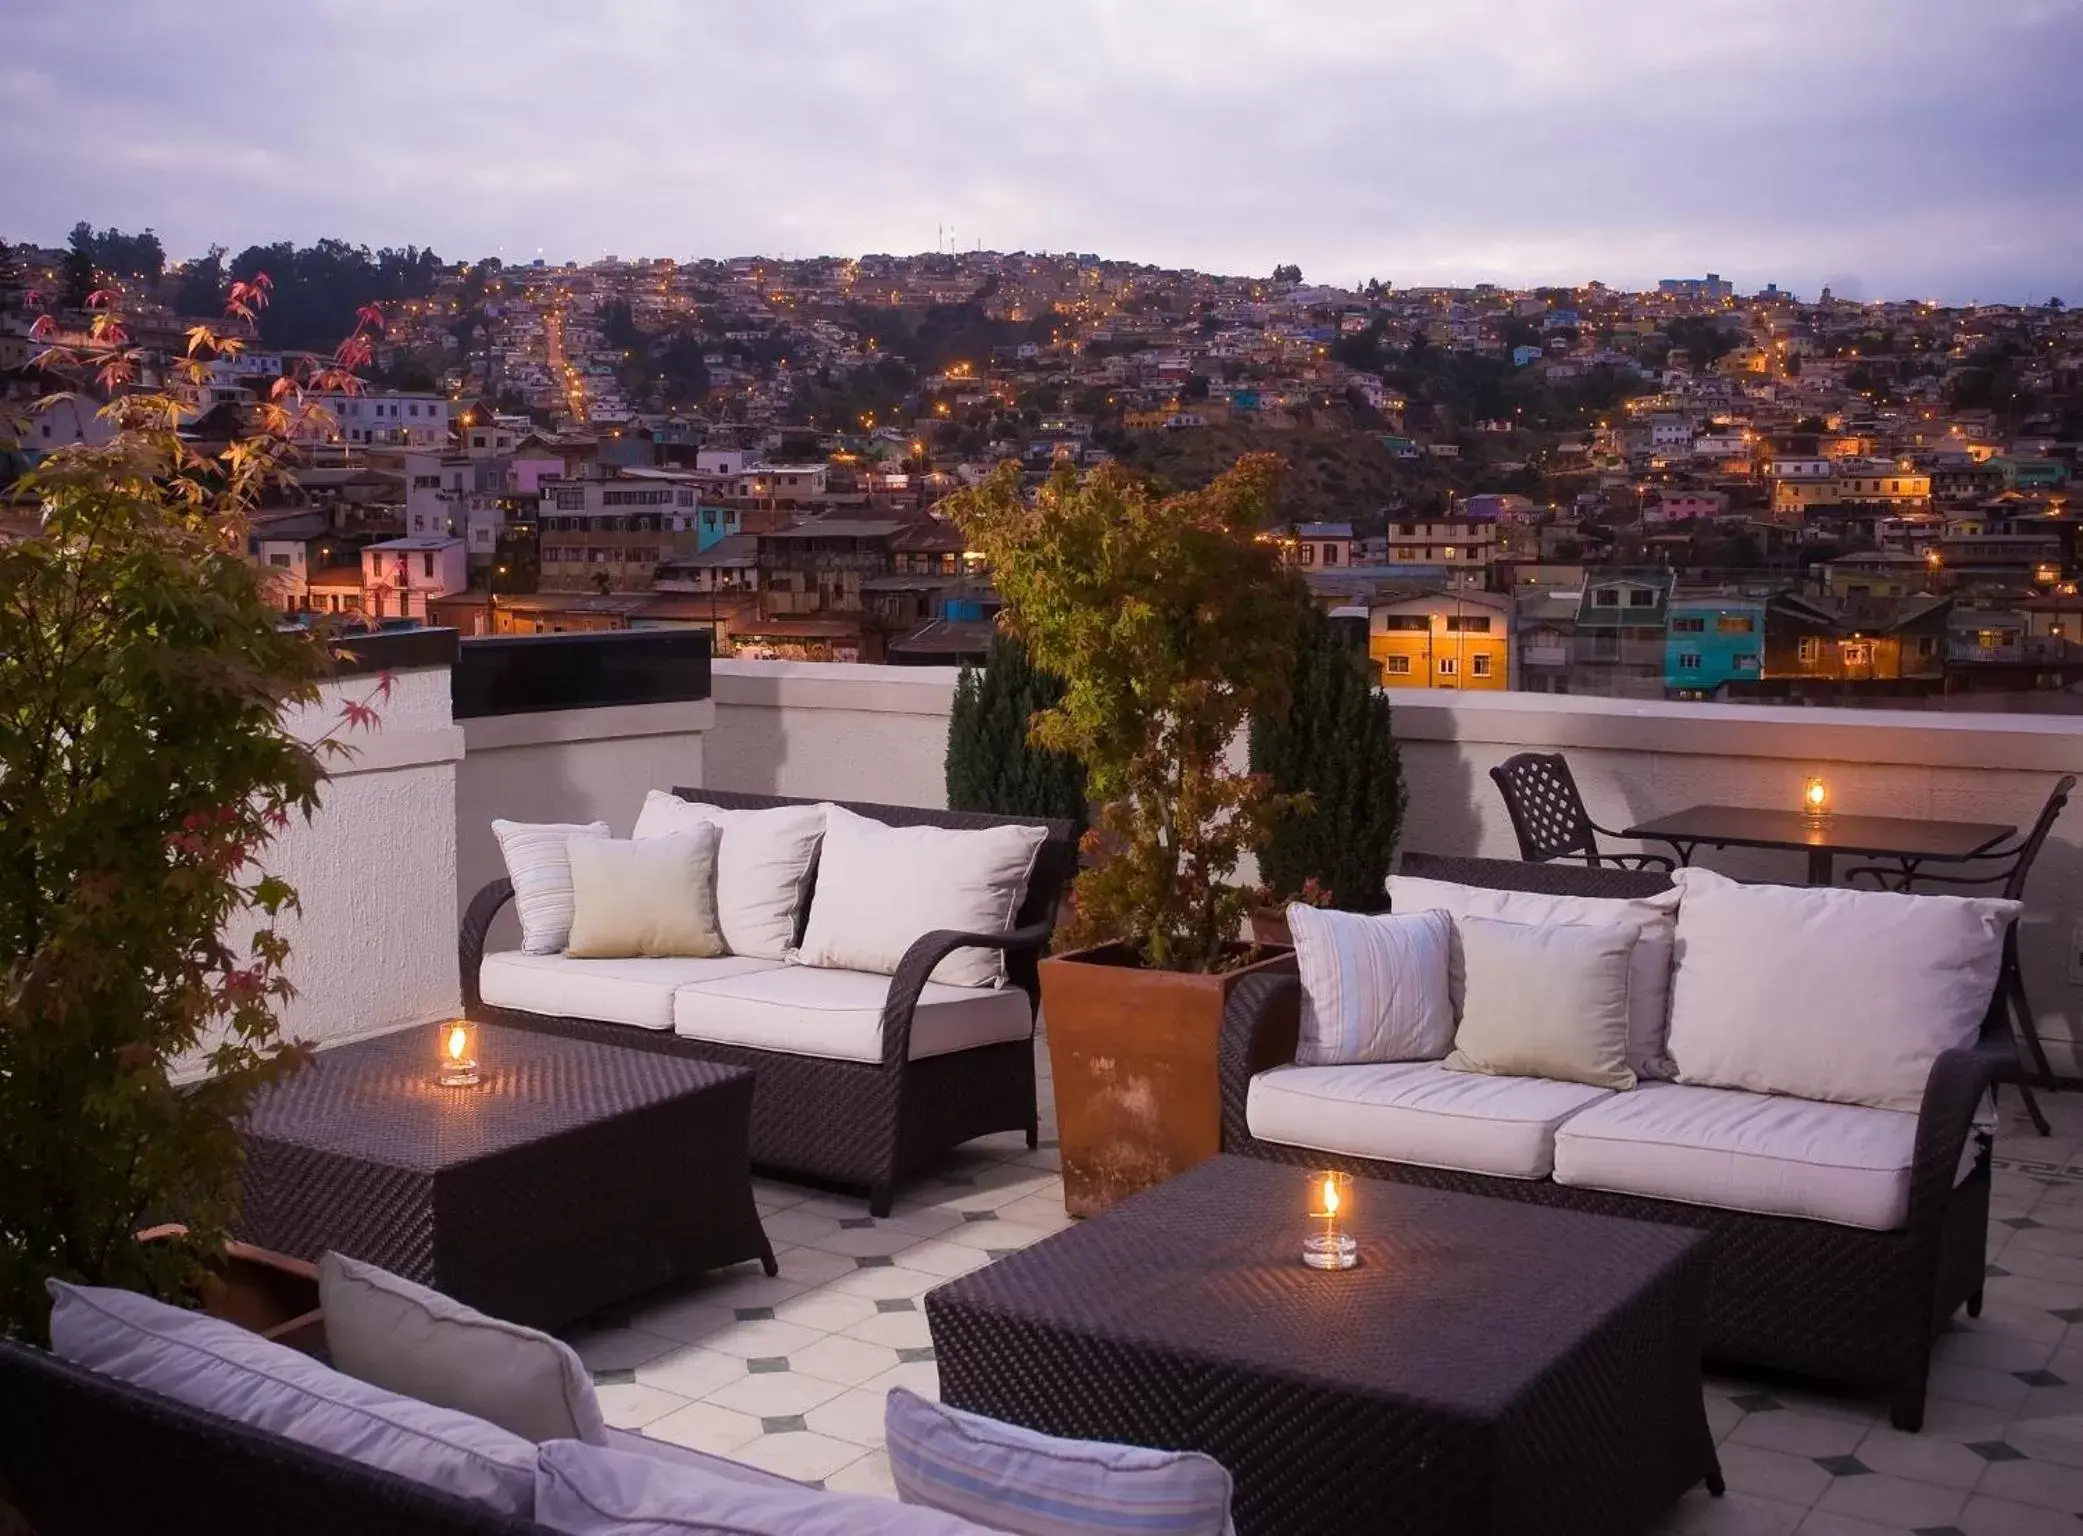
991	766
1334	744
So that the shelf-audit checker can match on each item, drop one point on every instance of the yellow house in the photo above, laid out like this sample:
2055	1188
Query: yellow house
1442	640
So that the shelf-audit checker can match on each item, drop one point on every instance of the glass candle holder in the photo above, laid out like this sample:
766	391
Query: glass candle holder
1330	1243
458	1067
1815	797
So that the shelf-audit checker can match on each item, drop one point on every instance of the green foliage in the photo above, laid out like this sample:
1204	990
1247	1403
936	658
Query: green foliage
202	285
319	289
1171	621
1287	273
141	764
116	254
991	764
1333	744
1704	341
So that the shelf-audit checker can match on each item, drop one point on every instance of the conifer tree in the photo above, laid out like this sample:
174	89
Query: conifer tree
991	765
1333	743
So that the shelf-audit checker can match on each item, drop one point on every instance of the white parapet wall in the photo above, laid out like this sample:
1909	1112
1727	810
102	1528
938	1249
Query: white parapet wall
375	867
831	731
880	733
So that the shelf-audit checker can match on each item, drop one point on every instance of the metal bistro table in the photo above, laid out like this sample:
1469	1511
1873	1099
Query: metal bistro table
1904	841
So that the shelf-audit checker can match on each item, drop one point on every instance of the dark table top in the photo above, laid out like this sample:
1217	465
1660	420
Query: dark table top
1739	826
1458	1302
377	1099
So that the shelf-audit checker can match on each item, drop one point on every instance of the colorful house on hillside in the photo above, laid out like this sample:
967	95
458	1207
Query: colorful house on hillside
1712	642
1445	639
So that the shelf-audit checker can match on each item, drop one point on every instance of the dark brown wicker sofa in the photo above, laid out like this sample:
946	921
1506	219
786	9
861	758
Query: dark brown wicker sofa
852	1122
1843	1304
84	1455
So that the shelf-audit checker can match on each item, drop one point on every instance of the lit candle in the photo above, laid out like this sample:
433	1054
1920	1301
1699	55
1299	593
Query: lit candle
458	1055
1332	1247
1815	797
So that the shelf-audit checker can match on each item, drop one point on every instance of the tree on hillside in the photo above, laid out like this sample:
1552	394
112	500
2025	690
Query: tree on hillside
1288	273
202	285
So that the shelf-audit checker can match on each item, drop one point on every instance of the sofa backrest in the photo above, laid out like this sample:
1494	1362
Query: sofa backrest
1054	865
81	1455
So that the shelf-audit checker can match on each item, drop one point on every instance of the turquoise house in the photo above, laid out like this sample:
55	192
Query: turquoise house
1711	642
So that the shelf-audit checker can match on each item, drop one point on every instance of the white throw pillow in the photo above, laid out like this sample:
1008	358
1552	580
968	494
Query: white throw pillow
383	1329
1655	918
1031	1484
652	898
538	863
221	1368
1840	995
881	888
1373	988
583	1490
763	865
1548	1002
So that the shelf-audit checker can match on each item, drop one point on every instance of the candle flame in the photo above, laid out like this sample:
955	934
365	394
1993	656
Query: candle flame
1330	1196
458	1041
1815	794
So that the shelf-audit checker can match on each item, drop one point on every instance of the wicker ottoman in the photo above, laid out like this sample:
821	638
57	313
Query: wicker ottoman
1489	1366
573	1177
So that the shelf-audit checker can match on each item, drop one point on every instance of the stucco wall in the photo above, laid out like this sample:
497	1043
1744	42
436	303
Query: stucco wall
374	948
831	731
564	765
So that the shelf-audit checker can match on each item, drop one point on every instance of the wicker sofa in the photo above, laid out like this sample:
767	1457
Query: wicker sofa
1838	1302
920	1067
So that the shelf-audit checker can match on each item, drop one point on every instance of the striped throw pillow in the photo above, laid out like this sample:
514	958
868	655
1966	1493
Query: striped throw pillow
1029	1484
1373	988
540	869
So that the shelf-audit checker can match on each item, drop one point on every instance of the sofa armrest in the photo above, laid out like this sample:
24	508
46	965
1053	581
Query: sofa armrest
1959	1079
1260	1025
470	938
916	969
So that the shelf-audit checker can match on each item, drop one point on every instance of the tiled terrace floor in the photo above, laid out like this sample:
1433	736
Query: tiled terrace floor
789	1373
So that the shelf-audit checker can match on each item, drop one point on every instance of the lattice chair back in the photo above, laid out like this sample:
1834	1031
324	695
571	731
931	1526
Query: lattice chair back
1547	812
2014	888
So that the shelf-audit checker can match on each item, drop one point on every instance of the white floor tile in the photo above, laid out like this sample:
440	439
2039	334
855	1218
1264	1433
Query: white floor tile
869	1476
775	1394
848	1361
802	1454
705	1427
854	1415
631	1405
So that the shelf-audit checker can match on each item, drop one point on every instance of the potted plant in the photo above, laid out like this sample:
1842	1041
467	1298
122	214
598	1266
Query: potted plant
145	760
1332	751
1170	620
991	764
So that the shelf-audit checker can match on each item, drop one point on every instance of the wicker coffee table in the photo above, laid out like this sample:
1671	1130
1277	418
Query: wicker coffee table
575	1176
1490	1366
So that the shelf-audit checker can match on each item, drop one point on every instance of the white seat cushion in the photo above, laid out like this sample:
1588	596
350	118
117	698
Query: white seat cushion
633	991
1768	1153
810	1011
1418	1112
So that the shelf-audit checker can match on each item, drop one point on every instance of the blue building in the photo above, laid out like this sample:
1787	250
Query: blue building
1521	356
713	524
1712	642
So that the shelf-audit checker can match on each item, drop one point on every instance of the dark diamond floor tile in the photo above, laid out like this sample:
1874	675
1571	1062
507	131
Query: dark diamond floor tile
1757	1402
2021	1223
855	1223
915	1356
613	1378
1938	1530
752	1314
766	1365
958	1180
2067	1314
896	1304
1995	1450
995	1254
1994	1272
1048	1145
2041	1378
873	1261
1842	1466
979	1215
782	1424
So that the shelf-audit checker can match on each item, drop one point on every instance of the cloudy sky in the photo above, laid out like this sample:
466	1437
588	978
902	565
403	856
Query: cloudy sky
1906	148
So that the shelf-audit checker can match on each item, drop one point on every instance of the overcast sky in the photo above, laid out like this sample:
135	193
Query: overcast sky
1893	148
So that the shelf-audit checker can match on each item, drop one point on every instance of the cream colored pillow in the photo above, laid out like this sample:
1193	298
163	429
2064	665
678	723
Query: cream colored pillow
656	896
1545	1002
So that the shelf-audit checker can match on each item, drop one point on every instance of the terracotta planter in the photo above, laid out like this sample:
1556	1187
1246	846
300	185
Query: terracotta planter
267	1293
1133	1054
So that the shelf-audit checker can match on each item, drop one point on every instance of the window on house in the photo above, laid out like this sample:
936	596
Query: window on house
1462	624
1811	650
1688	626
1606	599
1330	554
1858	654
1396	666
1449	665
1641	599
280	562
1735	624
1479	665
1308	554
1688	661
426	566
1406	621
